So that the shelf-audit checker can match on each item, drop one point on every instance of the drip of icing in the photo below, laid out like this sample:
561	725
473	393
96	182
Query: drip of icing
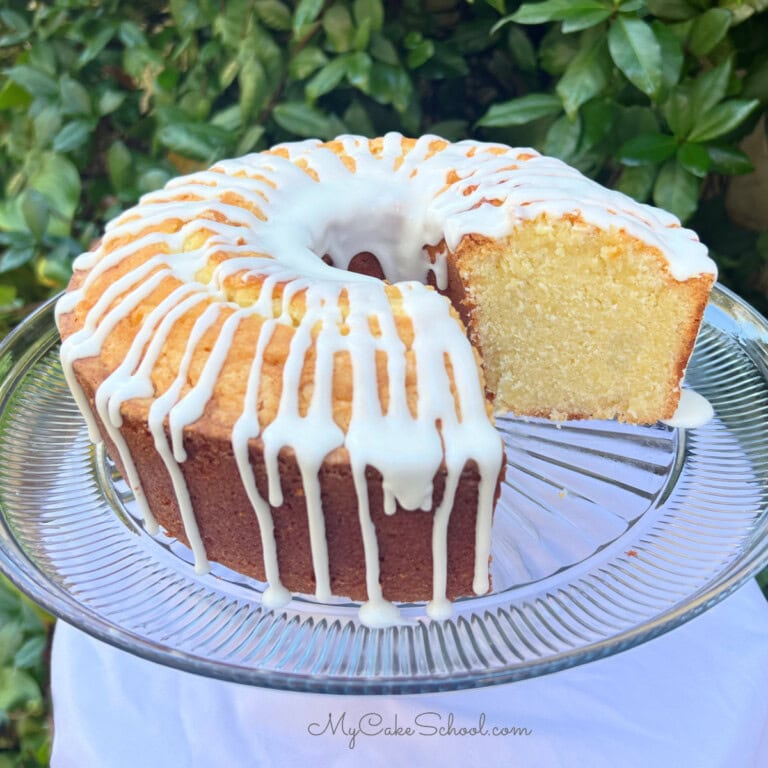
693	411
394	204
158	412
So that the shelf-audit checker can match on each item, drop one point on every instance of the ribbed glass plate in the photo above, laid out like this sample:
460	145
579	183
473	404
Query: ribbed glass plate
605	536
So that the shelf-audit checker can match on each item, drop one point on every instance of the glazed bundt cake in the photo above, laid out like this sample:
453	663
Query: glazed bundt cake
294	357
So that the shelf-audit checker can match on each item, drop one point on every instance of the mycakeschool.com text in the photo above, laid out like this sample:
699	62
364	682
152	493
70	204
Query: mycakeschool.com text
354	728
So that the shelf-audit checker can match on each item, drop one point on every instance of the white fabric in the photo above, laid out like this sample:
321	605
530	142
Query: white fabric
697	696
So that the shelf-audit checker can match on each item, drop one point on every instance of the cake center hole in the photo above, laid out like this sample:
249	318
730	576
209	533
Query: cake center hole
364	263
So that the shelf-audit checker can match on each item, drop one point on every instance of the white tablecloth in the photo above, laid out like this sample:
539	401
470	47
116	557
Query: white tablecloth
697	696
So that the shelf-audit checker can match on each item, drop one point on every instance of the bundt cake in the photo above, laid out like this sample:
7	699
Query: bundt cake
294	356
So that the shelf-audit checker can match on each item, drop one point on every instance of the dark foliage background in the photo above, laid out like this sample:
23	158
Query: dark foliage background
103	101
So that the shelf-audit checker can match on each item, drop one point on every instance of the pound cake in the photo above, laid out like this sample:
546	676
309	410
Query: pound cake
294	357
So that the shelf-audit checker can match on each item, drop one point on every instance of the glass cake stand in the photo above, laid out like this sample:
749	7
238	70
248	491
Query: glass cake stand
606	535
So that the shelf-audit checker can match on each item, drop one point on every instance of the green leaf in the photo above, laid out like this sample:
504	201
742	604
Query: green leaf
306	12
33	617
53	270
648	148
755	84
249	140
708	30
391	85
637	53
152	179
229	72
254	90
722	119
37	213
672	55
533	13
53	273
229	118
42	55
637	181
17	27
31	652
563	138
359	70
73	135
743	10
589	17
168	80
195	105
11	217
230	23
420	54
306	61
119	166
598	117
18	689
8	300
15	257
97	43
575	15
274	14
338	27
75	99
520	49
678	113
676	190
10	598
13	95
131	35
586	76
557	51
694	158
729	160
710	88
468	38
11	634
195	140
47	123
674	10
34	81
362	36
187	15
109	101
521	111
302	120
58	179
327	78
552	10
371	11
358	120
382	49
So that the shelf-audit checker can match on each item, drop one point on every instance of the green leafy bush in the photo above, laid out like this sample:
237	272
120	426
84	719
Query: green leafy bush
102	101
24	699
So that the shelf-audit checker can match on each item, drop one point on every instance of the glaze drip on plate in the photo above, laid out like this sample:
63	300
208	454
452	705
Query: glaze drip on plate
241	247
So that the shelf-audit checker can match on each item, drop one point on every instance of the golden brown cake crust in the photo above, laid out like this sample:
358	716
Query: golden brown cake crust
230	529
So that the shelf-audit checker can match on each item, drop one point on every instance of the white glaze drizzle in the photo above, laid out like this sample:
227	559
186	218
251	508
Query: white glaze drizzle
393	205
693	411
